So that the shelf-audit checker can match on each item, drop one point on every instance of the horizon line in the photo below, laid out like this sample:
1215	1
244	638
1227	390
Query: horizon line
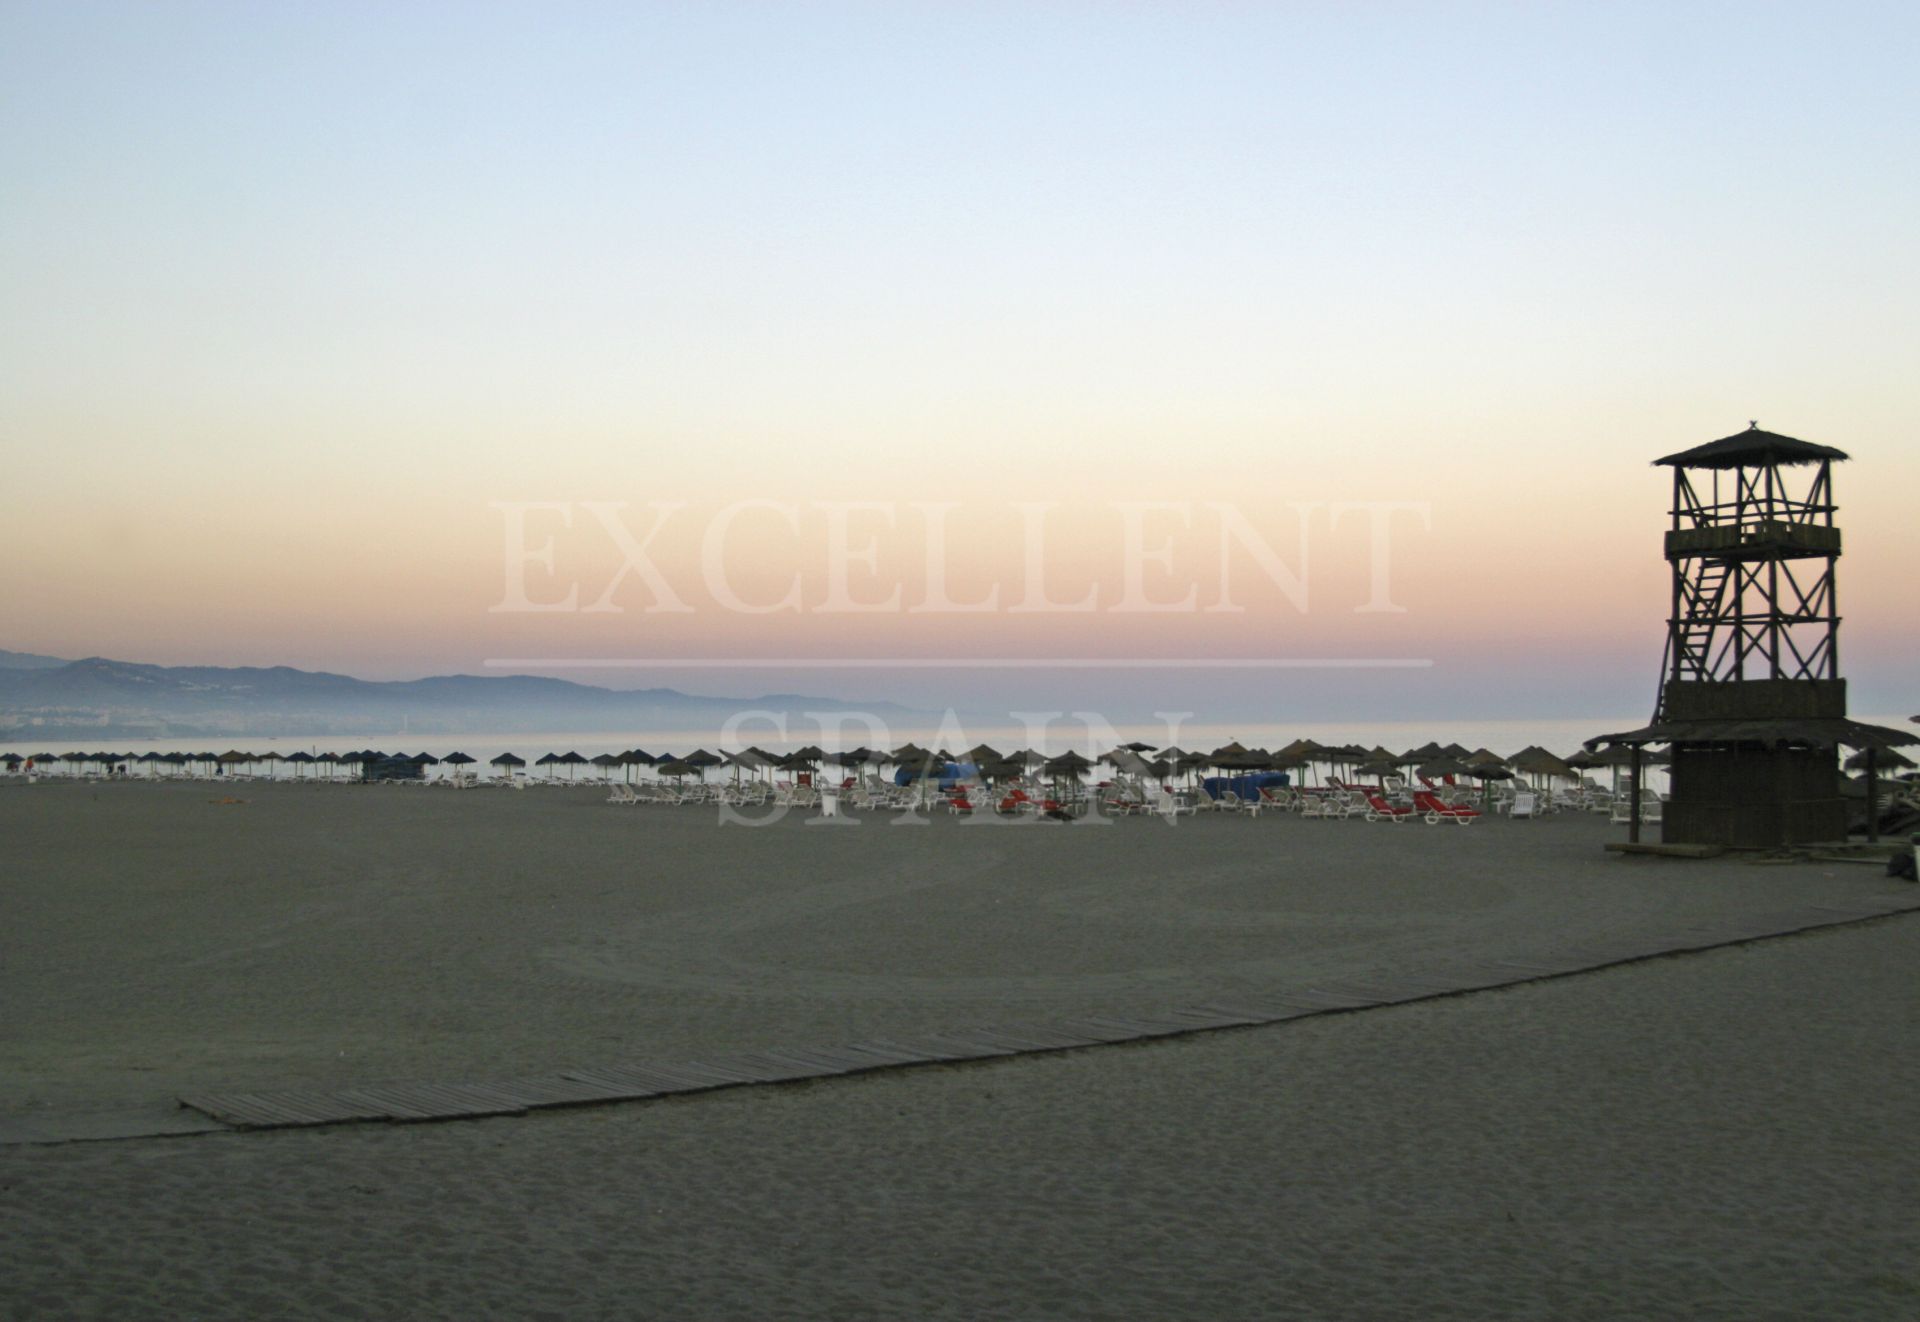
963	663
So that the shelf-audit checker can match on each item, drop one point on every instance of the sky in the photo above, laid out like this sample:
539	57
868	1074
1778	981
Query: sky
366	338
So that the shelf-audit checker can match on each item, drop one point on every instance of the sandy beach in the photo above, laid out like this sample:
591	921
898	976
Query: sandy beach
1713	1135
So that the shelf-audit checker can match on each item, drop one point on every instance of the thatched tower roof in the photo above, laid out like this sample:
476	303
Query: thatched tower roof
1751	446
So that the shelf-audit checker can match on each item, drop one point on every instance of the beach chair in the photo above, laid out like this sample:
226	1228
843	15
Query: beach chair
622	794
1525	804
1166	803
1379	810
1436	811
1125	796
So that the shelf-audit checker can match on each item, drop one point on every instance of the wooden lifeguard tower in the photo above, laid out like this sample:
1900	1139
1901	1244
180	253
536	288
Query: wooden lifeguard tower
1751	701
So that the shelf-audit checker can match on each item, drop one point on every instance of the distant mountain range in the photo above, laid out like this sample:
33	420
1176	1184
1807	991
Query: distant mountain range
28	661
50	696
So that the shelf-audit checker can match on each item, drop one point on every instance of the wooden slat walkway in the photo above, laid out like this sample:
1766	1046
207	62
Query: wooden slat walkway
639	1080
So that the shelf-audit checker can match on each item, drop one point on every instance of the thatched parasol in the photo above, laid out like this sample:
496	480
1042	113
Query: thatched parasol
1068	767
1537	761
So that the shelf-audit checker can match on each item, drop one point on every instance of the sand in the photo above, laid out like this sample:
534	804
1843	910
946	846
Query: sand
1715	1135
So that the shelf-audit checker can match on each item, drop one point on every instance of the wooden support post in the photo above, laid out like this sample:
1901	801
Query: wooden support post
1633	788
1873	796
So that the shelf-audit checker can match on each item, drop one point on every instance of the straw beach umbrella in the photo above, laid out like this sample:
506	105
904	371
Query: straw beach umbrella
506	762
1486	773
1885	759
1538	763
1304	751
753	760
910	755
1068	768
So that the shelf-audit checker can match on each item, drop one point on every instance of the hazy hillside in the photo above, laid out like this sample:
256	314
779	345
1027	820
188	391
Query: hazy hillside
99	695
29	661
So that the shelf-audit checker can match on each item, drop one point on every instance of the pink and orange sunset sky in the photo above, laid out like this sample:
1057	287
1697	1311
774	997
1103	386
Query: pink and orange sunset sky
298	303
